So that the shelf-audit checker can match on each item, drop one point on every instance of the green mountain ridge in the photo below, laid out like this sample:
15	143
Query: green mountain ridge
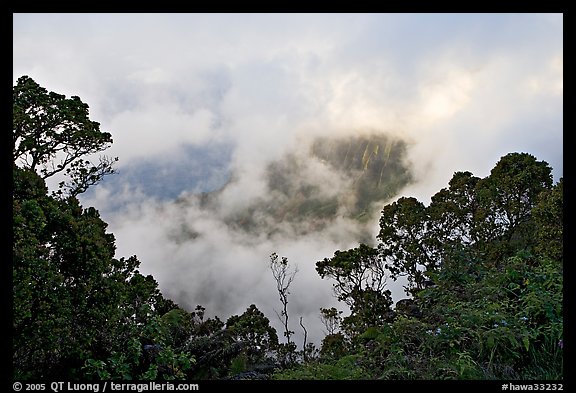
350	177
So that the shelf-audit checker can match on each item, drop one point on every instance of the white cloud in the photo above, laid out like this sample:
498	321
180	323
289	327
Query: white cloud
159	130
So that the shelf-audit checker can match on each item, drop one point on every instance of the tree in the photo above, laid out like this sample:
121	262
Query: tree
253	330
548	215
454	210
331	319
52	133
354	270
507	197
305	347
78	311
371	308
283	277
406	241
481	218
360	277
492	248
72	299
512	189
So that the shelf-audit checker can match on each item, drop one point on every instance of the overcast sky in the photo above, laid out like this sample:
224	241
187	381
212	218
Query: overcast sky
461	89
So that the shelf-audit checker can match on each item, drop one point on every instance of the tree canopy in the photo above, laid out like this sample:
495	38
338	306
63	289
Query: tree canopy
52	134
483	264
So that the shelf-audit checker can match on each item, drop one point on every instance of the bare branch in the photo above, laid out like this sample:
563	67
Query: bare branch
284	277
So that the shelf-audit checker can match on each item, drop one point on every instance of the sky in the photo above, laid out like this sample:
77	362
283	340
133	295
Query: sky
195	101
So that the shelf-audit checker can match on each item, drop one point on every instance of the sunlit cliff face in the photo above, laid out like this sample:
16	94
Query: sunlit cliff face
346	178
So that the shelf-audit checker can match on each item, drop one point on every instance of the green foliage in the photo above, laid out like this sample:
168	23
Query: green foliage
500	325
346	368
548	216
331	319
405	240
253	330
96	369
487	218
164	364
355	271
78	311
334	346
370	308
53	133
238	364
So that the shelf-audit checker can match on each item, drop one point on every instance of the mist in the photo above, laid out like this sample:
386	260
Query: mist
217	121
